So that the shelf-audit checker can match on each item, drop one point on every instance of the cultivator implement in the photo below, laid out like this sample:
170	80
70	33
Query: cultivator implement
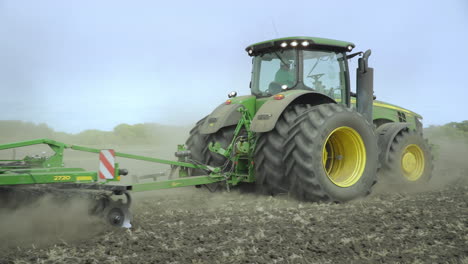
27	180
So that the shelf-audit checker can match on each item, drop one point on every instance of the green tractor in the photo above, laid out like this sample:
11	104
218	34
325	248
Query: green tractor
302	131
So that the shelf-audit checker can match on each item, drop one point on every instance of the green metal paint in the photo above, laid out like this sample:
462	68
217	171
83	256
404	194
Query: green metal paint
187	181
56	160
49	171
390	113
248	101
239	151
48	177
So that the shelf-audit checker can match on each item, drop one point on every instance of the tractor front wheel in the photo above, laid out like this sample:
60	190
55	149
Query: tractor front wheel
409	159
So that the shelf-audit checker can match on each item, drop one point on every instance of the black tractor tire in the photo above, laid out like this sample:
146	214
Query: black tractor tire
268	157
197	143
331	154
409	160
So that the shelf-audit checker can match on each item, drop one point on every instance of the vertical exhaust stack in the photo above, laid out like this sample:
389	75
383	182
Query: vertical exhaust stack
365	87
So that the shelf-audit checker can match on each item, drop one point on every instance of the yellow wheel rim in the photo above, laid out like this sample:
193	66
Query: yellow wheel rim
344	156
412	162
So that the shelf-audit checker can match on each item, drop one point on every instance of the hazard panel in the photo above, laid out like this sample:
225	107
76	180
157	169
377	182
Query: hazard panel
107	164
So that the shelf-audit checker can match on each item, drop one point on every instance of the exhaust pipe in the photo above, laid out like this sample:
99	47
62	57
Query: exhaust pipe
365	87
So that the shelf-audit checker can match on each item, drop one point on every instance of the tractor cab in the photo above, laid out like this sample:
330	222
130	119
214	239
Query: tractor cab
300	63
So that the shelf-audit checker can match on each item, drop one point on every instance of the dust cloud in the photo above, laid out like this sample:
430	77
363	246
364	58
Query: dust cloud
47	221
450	169
451	163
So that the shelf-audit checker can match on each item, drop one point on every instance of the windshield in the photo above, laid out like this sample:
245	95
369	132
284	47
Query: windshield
324	72
273	72
315	70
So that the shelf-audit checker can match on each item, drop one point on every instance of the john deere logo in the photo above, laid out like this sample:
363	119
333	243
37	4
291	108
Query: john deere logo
174	184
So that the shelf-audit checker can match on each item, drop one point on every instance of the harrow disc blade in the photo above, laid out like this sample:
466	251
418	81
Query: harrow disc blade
116	213
119	217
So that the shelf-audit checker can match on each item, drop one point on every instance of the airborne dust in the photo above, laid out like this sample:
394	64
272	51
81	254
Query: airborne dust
450	169
47	221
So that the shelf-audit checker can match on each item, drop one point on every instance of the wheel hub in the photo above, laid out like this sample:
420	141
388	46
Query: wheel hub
412	162
409	162
344	156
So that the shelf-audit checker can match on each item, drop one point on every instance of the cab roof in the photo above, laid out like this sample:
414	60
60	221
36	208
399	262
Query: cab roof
299	42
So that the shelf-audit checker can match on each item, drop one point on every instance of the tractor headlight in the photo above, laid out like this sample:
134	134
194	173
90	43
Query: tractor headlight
294	43
284	45
232	94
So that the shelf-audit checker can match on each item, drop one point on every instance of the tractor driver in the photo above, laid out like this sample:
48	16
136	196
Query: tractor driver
283	77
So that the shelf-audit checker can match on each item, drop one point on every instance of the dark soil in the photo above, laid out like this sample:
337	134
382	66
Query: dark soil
188	225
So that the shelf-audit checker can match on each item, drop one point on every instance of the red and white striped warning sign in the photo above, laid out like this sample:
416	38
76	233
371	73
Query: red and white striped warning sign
106	164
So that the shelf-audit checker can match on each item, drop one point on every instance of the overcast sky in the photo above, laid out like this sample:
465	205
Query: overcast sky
85	64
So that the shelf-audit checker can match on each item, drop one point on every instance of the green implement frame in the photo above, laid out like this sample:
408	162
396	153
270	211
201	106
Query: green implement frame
51	170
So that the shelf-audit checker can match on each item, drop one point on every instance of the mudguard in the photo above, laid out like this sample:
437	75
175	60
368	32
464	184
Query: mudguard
386	133
224	115
267	116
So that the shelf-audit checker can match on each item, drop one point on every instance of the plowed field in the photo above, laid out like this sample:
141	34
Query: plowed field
190	225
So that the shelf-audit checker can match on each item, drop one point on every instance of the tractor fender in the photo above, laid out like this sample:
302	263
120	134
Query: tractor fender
224	115
386	133
266	117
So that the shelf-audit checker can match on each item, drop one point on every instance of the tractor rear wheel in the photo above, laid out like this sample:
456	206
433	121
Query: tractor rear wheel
331	155
268	157
409	159
197	143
